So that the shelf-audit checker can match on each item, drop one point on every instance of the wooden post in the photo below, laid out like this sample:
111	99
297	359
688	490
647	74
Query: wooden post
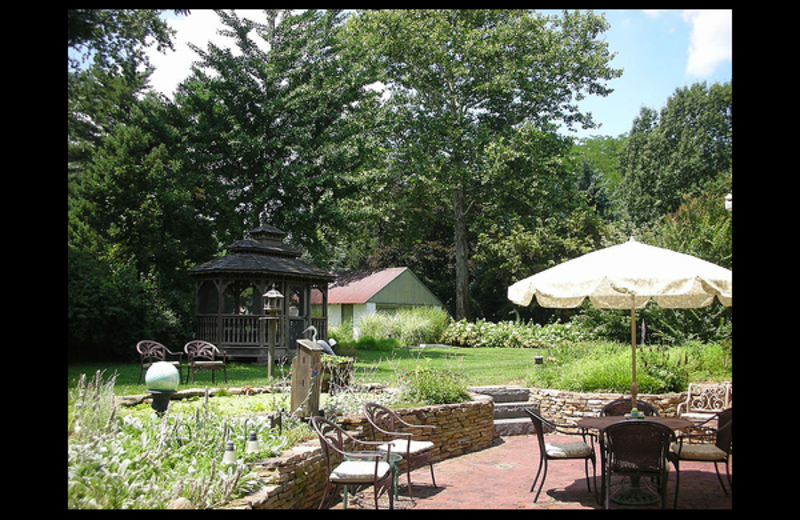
306	375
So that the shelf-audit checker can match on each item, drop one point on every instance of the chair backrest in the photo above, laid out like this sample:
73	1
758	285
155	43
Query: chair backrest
636	447
541	425
332	438
200	350
622	406
725	430
381	418
703	397
151	350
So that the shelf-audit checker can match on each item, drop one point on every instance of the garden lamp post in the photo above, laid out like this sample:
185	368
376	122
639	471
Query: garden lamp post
273	305
162	381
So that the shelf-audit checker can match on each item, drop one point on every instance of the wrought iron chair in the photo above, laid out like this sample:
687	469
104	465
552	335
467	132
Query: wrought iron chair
152	351
704	401
578	450
719	451
352	468
205	356
623	406
416	453
636	449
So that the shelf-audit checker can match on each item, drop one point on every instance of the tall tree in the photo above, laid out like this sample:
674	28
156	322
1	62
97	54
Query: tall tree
677	151
461	79
275	132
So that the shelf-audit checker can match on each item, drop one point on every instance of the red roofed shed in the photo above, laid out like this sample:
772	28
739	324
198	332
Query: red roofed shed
357	293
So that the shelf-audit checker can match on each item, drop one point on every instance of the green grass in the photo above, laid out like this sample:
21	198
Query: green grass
478	365
569	367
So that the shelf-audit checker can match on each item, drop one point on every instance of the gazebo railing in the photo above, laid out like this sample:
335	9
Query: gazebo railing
243	330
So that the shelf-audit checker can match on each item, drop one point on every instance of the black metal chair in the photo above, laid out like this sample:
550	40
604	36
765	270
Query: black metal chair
351	468
152	351
623	406
416	453
205	356
578	450
636	449
718	451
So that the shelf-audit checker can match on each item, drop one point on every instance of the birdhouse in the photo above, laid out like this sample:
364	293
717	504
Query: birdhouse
306	375
273	301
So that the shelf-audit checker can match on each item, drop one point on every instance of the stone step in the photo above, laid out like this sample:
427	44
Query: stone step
517	426
501	393
512	410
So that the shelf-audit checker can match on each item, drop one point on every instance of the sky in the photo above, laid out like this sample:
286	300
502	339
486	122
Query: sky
658	50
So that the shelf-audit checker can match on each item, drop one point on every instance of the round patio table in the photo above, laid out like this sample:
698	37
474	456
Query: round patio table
635	495
599	423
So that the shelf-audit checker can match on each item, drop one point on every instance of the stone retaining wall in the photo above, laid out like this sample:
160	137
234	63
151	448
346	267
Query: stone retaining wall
567	407
296	479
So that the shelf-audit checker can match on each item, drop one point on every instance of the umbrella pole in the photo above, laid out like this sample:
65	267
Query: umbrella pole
634	386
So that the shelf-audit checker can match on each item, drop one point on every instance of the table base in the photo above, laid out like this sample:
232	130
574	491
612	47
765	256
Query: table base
635	496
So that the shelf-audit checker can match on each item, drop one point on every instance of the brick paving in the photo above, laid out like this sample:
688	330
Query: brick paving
500	477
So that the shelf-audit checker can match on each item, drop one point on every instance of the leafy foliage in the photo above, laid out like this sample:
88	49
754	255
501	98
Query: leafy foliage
508	334
136	460
427	385
606	367
678	151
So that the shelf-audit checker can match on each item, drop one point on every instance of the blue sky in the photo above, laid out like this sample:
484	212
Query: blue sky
659	50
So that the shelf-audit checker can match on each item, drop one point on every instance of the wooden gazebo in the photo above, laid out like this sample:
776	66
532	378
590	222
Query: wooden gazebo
229	296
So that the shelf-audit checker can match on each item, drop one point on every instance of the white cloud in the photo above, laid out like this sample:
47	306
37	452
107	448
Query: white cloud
711	40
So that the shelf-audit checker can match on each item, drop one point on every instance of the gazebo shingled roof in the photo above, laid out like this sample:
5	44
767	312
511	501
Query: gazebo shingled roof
263	252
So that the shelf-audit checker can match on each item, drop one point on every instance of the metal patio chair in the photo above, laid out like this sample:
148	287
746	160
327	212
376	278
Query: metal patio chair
577	450
623	406
205	356
416	452
152	351
718	451
636	449
352	468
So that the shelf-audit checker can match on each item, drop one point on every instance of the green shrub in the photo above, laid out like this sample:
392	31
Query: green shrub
507	334
427	385
606	367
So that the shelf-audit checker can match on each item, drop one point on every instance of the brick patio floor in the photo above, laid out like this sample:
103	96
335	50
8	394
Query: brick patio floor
500	477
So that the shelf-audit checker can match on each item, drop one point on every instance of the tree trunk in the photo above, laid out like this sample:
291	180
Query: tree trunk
462	256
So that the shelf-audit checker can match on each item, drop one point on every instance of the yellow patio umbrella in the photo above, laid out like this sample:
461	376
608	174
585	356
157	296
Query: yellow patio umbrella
627	276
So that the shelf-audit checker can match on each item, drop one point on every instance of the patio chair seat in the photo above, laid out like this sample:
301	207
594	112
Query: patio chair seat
707	452
568	450
353	471
400	445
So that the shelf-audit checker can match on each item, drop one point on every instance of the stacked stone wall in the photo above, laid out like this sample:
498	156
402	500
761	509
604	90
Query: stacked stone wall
296	479
568	407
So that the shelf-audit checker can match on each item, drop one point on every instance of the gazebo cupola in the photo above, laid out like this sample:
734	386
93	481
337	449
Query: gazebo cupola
230	289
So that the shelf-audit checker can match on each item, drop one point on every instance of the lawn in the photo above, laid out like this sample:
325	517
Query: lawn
479	365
